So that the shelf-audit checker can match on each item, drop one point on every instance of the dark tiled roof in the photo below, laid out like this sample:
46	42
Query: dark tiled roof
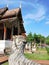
5	13
3	10
8	19
11	13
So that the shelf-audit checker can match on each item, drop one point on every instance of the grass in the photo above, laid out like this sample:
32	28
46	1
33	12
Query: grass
40	54
5	63
41	49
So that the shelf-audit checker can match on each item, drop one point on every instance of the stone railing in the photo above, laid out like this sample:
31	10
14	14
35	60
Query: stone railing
17	56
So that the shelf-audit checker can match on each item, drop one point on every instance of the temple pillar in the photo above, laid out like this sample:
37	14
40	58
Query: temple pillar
18	28
12	33
4	31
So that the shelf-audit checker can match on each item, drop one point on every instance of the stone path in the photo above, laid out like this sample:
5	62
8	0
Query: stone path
43	62
3	59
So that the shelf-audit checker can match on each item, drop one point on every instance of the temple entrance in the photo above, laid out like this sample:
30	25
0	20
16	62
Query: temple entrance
1	31
15	31
1	34
8	34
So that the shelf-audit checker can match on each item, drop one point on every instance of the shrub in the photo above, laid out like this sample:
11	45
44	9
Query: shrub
47	48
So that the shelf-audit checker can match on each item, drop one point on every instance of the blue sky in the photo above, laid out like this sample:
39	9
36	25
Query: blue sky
35	14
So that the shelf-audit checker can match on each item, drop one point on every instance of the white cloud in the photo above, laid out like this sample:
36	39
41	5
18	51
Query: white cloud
39	15
6	1
47	22
27	23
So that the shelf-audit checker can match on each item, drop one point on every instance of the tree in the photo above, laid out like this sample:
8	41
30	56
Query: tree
42	39
47	40
39	38
29	37
35	37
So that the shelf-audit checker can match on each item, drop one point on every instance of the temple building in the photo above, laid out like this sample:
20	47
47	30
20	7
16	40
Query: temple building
11	24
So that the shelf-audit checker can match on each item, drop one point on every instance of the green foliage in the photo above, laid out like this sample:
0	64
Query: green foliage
35	38
29	37
38	38
47	40
42	39
47	50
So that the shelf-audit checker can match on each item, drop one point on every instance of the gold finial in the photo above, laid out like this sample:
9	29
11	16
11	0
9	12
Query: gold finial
20	5
7	5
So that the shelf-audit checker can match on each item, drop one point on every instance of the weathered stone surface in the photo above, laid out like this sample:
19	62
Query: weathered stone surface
17	56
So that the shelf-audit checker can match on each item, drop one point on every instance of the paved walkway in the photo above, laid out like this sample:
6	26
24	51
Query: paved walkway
3	59
43	62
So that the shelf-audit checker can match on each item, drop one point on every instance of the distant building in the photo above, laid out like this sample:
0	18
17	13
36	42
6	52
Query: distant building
11	24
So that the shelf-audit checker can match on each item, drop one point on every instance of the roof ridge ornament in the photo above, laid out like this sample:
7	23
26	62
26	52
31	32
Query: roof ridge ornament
7	5
20	5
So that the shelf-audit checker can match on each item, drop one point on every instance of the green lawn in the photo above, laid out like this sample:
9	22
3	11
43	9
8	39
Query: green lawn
35	56
41	49
5	63
41	54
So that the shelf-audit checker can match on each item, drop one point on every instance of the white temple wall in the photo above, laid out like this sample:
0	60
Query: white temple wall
4	44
